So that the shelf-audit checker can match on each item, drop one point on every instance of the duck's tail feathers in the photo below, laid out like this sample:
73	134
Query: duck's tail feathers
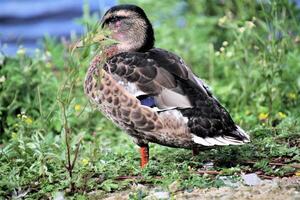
242	134
237	137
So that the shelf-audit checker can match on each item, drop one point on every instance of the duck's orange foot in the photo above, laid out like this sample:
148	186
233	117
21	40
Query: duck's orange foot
144	151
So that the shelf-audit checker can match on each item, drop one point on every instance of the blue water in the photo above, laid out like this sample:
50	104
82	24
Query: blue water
26	22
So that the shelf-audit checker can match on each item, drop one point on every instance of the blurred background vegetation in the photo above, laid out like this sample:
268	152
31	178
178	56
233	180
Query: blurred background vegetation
247	51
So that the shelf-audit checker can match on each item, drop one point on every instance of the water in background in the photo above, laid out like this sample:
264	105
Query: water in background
26	22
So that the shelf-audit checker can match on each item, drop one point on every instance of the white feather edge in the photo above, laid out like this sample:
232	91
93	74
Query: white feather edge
221	140
242	132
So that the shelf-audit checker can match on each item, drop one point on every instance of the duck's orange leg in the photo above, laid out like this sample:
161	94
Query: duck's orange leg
144	151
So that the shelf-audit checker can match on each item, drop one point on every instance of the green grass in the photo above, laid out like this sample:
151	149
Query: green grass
248	53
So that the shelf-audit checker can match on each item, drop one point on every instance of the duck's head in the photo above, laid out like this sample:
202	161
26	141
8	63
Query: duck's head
130	27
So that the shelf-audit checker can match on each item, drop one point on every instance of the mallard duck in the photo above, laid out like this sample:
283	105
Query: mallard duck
151	93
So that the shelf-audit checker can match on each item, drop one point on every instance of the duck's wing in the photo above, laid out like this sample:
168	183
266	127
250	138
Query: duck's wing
161	80
208	120
147	76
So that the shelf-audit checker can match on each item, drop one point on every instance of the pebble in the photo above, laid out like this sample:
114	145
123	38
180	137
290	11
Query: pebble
251	179
158	195
59	196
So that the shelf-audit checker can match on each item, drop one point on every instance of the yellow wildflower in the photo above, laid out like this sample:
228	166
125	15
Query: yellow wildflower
14	135
222	49
297	173
77	107
85	161
263	116
281	115
292	96
28	120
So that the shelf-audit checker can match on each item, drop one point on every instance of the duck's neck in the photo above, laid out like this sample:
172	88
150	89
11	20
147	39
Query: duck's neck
119	48
140	43
111	51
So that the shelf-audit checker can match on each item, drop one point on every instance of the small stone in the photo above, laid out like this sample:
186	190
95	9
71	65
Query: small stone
162	195
140	188
158	195
59	196
208	165
251	179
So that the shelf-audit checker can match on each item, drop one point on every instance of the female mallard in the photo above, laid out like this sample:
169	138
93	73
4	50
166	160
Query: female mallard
151	93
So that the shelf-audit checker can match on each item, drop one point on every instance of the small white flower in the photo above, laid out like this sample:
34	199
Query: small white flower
250	24
225	43
48	54
2	79
242	29
222	20
229	54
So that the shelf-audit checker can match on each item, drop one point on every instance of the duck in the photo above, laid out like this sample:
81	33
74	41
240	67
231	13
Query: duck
151	94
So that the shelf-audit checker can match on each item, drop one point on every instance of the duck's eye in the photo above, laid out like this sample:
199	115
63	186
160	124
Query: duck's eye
114	19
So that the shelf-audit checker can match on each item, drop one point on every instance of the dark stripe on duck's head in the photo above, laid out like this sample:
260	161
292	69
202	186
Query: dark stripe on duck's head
147	101
127	7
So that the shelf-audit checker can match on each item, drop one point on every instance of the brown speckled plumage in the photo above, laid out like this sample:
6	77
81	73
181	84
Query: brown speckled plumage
151	94
127	112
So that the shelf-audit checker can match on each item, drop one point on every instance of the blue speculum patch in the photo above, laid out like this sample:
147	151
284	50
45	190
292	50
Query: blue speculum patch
147	101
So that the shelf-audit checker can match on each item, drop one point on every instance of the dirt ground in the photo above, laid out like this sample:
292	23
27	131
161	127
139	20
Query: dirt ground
276	189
